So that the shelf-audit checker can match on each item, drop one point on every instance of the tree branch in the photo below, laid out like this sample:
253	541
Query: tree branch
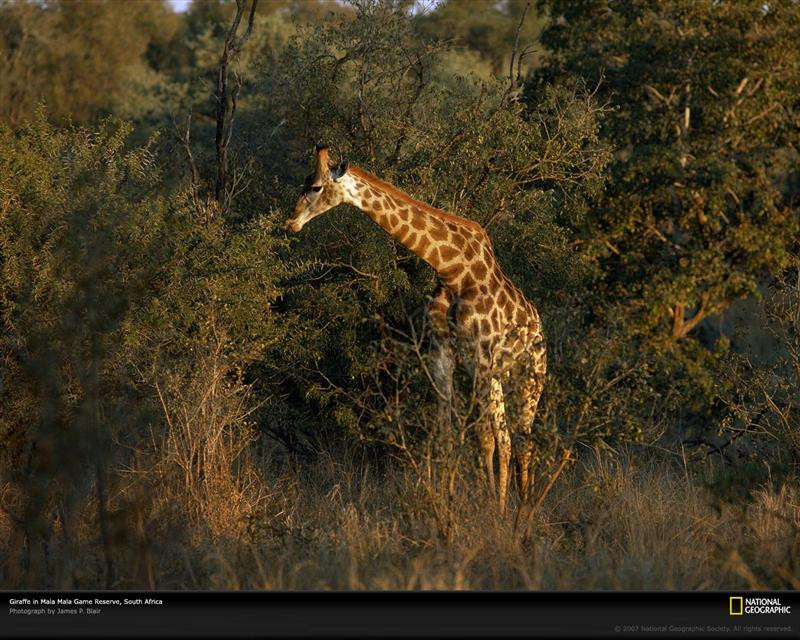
681	326
184	139
225	98
512	84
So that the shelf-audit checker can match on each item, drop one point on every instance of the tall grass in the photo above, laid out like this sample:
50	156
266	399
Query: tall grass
636	519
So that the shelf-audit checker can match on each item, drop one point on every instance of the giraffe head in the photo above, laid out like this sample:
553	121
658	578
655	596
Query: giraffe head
323	190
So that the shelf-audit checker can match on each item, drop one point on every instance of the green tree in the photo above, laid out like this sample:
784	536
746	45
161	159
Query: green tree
489	28
764	399
699	207
115	292
83	60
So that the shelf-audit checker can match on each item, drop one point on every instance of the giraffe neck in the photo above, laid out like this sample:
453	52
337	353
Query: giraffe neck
458	249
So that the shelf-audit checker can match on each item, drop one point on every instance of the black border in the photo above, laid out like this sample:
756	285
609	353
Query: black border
393	614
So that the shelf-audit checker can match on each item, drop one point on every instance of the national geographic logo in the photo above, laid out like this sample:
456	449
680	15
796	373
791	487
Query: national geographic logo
739	606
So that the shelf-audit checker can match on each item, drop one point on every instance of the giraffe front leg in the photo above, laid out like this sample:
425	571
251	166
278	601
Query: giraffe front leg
443	443
497	417
442	368
442	360
486	431
442	373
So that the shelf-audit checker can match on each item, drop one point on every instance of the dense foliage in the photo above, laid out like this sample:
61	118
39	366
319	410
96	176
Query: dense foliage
700	208
635	165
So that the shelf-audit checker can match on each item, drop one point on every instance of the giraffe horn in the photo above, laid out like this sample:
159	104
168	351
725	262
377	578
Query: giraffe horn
321	172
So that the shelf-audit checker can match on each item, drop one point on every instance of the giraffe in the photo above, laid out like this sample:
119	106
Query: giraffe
503	328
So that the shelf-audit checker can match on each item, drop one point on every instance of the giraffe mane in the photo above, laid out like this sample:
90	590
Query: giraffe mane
404	197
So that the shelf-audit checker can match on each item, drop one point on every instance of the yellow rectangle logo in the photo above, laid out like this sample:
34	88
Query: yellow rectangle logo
737	605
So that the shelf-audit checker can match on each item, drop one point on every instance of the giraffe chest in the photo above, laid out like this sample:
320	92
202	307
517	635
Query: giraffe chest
500	335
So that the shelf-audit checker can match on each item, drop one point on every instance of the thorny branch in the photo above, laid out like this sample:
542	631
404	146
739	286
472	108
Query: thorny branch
184	139
514	83
226	96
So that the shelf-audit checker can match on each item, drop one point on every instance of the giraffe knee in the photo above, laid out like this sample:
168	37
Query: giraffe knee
438	310
442	372
523	442
503	444
497	404
486	440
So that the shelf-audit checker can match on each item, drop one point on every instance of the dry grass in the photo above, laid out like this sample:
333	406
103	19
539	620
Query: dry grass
631	520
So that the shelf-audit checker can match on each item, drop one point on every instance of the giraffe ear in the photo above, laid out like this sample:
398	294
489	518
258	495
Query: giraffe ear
338	171
322	164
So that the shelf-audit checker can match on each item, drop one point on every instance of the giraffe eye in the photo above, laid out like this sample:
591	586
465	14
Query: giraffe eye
316	188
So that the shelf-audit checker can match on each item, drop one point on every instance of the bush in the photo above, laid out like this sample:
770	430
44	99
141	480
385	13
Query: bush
113	289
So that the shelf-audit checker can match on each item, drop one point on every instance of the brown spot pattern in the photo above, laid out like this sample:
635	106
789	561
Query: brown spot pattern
479	270
452	271
448	252
438	231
